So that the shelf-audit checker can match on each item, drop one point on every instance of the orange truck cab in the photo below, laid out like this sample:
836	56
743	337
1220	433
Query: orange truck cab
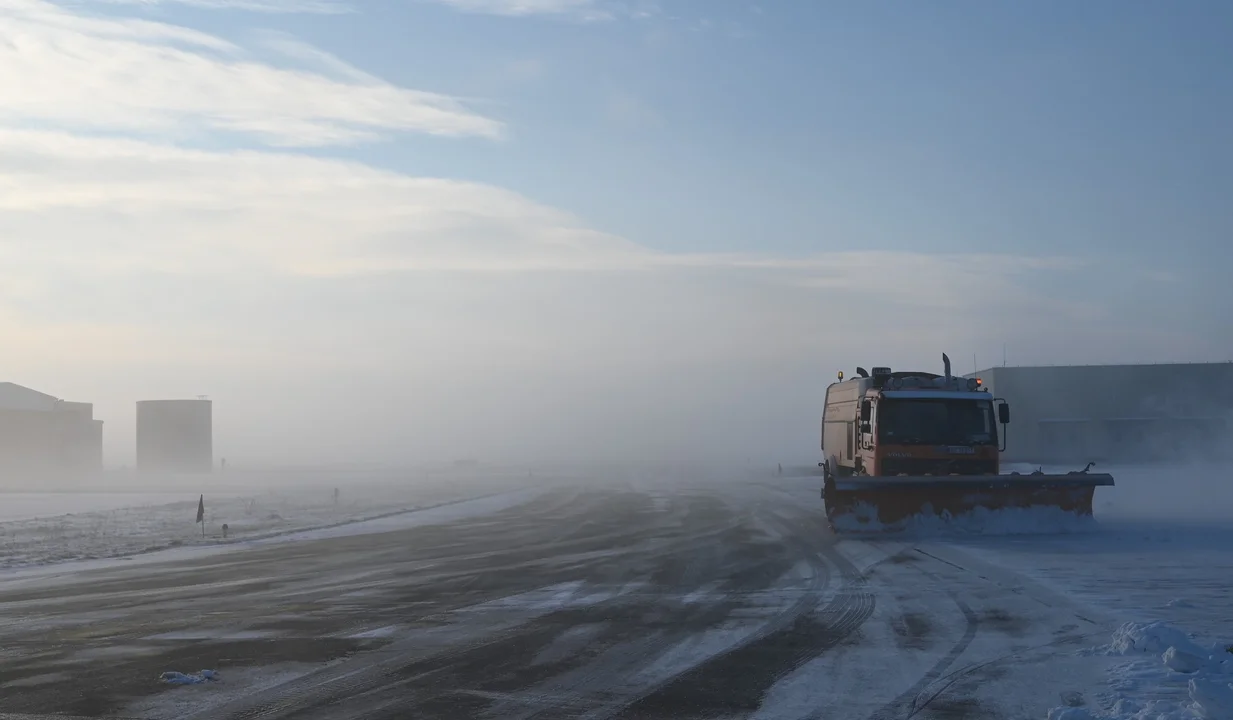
911	423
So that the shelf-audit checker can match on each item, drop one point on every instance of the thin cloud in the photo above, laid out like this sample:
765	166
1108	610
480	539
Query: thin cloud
321	7
525	276
584	10
285	212
310	216
152	79
580	9
315	59
39	21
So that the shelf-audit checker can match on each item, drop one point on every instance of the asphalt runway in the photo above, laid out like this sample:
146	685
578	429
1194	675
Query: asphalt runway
635	600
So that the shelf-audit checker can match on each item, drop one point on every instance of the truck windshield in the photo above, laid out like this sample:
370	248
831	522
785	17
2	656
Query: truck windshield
929	421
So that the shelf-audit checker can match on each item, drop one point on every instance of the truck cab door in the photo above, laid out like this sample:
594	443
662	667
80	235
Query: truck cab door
866	424
865	434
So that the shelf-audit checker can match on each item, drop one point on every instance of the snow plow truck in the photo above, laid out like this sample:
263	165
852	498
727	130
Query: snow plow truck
901	444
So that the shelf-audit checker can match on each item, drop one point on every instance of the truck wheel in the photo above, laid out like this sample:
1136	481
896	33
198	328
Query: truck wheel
828	489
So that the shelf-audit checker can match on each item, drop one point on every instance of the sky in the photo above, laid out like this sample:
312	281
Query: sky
522	230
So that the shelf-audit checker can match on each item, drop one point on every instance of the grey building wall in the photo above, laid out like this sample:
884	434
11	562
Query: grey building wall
43	437
175	436
1115	412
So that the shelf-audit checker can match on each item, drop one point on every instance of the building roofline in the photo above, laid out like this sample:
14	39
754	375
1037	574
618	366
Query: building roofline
7	383
1101	365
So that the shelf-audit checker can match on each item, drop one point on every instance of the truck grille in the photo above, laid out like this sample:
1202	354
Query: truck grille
938	466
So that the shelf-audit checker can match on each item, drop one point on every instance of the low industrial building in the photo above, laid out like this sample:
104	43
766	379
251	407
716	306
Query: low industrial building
1115	413
175	436
44	437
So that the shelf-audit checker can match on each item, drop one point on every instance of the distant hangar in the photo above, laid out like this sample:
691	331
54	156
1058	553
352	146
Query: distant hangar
42	436
1116	413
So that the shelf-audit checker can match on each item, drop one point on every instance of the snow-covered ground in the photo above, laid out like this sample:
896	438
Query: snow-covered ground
1159	558
33	505
1157	563
42	528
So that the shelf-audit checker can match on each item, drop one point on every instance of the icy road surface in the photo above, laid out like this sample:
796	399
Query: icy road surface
618	600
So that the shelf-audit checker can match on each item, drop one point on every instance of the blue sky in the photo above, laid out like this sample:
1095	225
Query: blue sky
445	198
1051	126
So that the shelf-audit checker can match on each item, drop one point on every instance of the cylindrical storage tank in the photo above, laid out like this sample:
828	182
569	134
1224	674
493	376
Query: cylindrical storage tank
175	436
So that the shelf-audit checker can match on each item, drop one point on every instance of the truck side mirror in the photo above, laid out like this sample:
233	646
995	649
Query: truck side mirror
866	410
1004	413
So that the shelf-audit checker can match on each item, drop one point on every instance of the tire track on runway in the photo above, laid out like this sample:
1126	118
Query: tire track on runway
181	585
678	572
416	598
737	679
936	681
943	683
908	704
504	693
590	691
391	666
374	669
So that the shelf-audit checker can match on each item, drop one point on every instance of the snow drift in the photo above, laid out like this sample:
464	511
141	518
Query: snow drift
1170	677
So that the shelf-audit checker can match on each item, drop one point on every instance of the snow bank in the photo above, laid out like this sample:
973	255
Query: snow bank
1152	638
1172	677
981	521
33	505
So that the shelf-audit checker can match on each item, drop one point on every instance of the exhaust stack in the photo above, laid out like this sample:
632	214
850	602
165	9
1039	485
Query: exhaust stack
946	364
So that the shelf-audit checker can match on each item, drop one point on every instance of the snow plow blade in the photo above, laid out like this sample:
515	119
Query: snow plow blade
879	503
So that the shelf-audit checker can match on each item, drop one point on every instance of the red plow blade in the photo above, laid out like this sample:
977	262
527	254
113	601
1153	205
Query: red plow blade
882	503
